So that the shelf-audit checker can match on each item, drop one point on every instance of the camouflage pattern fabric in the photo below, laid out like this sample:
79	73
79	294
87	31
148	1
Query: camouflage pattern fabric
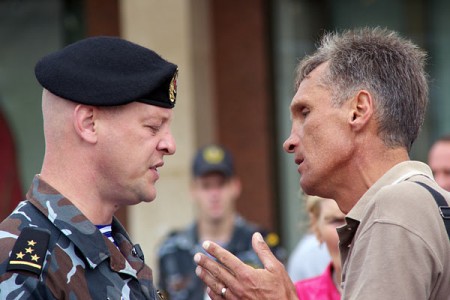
177	277
79	262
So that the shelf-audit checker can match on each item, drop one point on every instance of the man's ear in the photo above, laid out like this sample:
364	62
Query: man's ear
361	109
84	122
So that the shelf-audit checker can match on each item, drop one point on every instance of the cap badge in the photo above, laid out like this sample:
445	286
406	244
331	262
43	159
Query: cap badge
213	155
173	87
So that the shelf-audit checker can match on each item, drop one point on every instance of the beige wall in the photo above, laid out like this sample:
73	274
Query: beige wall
168	27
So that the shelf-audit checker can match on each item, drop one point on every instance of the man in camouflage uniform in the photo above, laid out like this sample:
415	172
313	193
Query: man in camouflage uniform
215	189
107	111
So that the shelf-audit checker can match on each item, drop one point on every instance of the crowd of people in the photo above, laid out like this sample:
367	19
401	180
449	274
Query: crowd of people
107	107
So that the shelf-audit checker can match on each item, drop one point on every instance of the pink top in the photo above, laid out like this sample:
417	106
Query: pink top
318	288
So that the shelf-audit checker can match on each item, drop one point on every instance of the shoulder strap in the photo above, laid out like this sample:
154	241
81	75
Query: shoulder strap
29	251
444	209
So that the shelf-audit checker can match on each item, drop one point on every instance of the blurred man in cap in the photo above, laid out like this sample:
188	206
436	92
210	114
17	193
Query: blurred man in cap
107	108
439	161
215	189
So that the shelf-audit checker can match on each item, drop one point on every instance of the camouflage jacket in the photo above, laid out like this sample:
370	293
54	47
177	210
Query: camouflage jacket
177	277
50	250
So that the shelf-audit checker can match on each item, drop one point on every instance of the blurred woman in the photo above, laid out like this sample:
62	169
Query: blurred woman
325	217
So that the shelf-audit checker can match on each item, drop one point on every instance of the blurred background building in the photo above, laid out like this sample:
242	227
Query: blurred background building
237	63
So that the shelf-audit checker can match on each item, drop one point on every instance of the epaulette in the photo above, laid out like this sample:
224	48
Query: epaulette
28	253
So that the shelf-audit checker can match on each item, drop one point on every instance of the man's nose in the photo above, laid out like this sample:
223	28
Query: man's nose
168	144
289	145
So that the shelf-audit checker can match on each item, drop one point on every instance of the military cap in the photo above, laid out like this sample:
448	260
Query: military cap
213	158
108	71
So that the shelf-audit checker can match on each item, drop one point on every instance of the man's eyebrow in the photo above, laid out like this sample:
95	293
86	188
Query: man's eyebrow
292	107
298	104
156	117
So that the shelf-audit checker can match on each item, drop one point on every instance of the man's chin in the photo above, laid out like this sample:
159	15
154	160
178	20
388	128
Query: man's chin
303	185
216	218
307	187
149	197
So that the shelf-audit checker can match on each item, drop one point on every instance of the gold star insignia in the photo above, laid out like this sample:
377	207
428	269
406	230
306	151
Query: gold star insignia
34	257
31	243
29	250
20	255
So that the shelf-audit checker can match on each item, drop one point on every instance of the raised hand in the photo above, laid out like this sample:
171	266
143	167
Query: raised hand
230	278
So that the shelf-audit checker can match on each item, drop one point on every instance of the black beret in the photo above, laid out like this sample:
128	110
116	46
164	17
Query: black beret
108	71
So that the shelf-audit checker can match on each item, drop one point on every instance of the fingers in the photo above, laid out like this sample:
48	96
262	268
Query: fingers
214	296
213	274
228	295
226	272
230	261
240	280
264	253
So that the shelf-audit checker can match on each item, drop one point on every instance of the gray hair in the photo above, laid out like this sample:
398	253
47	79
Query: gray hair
390	67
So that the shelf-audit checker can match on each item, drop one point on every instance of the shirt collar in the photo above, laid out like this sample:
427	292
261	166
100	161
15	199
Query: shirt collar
69	220
396	174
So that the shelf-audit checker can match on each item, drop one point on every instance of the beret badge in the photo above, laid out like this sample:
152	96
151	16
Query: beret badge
173	87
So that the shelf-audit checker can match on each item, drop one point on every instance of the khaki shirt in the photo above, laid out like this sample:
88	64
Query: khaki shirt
395	245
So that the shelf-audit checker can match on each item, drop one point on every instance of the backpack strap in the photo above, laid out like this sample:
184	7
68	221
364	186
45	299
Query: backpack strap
444	208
